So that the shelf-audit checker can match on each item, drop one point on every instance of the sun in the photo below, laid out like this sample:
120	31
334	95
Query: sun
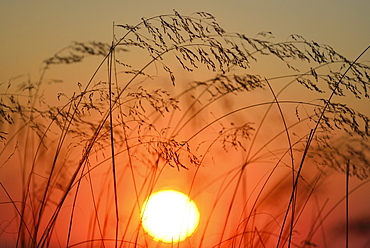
169	216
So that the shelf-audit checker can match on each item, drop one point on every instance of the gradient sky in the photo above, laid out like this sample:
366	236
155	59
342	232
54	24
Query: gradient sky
34	30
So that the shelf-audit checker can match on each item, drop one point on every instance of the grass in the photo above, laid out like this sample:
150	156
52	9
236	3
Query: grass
255	140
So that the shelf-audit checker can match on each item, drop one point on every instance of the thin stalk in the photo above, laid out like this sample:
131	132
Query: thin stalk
95	206
294	189
110	62
347	201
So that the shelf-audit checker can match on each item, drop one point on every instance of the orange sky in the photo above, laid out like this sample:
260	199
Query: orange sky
34	30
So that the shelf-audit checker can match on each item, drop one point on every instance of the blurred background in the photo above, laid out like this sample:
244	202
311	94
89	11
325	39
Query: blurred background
32	31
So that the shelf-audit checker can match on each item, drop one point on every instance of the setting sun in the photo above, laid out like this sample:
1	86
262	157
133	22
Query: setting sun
169	216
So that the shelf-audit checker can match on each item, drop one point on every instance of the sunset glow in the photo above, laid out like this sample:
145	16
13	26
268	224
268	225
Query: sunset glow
177	124
169	216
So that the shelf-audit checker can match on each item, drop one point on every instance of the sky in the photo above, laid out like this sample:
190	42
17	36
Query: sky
34	30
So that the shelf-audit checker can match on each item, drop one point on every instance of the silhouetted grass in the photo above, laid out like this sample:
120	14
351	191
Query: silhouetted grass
253	145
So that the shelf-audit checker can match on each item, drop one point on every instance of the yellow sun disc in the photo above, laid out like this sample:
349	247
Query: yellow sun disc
169	216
